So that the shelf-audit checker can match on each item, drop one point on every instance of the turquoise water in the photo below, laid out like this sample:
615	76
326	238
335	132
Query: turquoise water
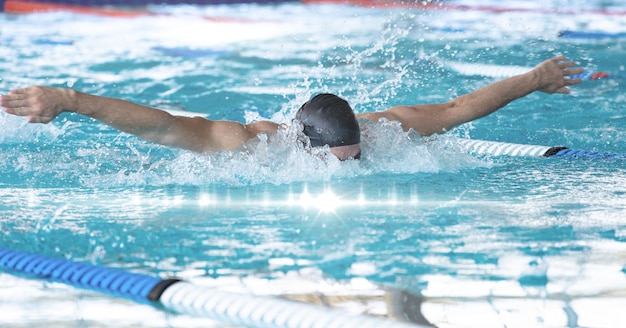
489	241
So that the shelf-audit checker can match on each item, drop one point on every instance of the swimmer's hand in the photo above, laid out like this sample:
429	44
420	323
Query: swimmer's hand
39	104
553	75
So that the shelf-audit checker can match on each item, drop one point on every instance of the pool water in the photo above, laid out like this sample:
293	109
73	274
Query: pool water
487	241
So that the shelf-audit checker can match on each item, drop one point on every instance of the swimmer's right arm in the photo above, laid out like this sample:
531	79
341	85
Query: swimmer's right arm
43	104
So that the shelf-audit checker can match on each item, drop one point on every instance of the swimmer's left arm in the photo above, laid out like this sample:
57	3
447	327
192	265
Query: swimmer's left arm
550	76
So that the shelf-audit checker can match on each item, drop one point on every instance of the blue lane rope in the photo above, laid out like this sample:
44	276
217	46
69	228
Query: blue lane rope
111	281
183	297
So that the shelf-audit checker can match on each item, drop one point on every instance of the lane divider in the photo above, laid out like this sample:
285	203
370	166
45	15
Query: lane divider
186	298
30	7
495	148
427	5
504	71
96	7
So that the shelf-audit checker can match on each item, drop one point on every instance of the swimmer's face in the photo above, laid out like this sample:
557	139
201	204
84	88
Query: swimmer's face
346	152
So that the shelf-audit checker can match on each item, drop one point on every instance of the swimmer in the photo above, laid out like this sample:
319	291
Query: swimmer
327	119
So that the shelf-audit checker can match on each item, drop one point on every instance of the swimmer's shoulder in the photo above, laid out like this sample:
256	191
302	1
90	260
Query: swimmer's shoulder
389	114
262	127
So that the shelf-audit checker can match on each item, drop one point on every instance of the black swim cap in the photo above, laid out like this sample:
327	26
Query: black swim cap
329	120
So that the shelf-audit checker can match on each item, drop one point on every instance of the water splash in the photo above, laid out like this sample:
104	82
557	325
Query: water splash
282	158
16	130
46	156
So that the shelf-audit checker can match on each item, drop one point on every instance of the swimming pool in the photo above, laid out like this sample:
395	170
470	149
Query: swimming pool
486	241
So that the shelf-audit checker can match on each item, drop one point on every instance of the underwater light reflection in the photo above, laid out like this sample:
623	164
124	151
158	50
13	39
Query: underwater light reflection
326	201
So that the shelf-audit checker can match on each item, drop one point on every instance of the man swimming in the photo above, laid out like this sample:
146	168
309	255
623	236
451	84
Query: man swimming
327	120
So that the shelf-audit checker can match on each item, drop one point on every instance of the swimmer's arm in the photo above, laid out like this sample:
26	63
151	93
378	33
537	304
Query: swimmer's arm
43	104
549	77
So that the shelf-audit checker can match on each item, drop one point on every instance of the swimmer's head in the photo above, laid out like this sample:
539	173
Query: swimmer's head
329	120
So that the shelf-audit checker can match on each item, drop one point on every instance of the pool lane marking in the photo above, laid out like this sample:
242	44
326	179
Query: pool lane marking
186	298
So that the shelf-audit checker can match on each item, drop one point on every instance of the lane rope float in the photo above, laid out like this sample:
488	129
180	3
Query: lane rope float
119	9
186	298
496	148
503	71
427	5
